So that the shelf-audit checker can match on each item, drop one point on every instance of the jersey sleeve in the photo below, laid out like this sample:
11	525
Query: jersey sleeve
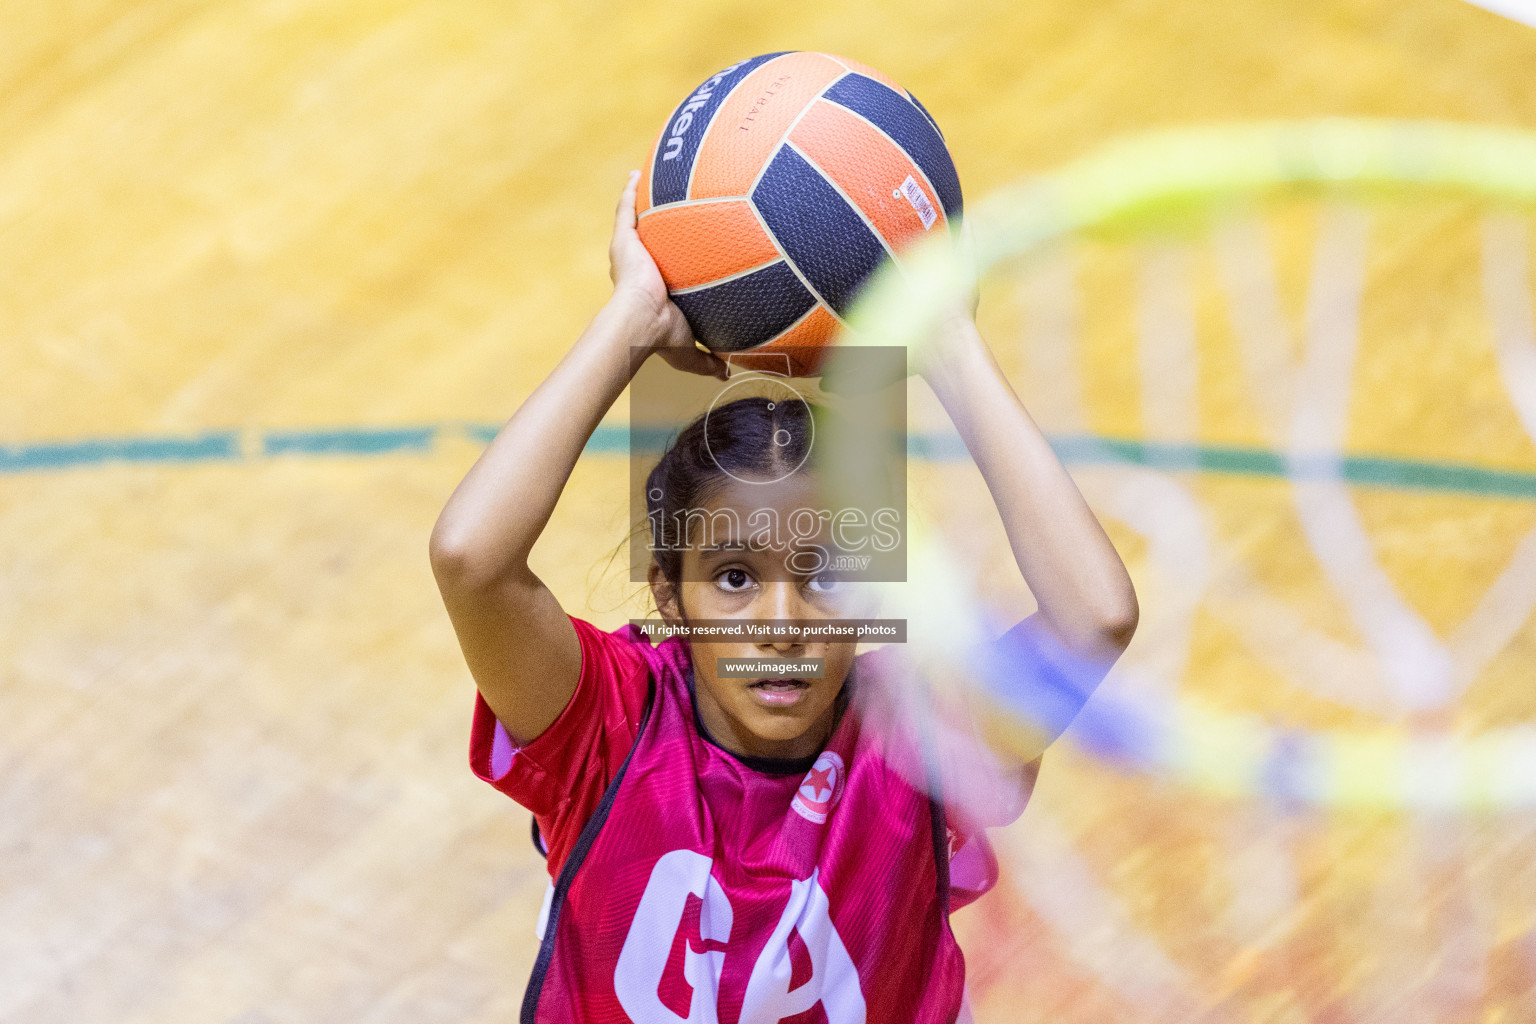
562	774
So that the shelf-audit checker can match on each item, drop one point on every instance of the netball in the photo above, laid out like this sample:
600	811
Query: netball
775	190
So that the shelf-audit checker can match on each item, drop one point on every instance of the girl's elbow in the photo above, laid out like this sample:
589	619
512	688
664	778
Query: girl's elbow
466	564
1117	625
457	559
1104	629
1098	636
451	562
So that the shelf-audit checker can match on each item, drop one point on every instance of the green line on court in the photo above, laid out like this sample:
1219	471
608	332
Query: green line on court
615	439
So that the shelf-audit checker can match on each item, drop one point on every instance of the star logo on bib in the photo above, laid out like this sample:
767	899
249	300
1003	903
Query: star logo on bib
820	791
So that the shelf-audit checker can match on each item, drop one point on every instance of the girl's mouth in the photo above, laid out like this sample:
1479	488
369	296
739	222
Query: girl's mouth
780	693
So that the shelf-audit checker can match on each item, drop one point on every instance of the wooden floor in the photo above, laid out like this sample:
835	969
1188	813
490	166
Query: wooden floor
265	259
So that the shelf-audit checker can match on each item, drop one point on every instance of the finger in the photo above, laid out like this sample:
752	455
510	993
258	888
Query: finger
624	216
712	365
694	360
698	361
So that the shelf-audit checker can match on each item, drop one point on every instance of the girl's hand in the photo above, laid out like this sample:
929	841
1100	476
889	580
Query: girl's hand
953	334
638	286
952	349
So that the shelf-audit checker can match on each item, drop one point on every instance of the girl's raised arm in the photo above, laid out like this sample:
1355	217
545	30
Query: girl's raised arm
1085	595
521	648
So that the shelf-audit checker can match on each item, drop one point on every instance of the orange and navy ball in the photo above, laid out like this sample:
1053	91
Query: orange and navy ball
777	188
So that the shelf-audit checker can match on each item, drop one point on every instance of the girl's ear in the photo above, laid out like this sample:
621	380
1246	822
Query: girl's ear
664	594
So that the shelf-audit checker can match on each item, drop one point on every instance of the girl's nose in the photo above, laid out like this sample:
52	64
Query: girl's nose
782	600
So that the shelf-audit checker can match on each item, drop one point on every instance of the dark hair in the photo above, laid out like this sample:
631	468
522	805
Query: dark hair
748	437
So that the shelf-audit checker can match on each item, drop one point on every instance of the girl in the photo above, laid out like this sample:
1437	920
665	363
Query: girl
749	850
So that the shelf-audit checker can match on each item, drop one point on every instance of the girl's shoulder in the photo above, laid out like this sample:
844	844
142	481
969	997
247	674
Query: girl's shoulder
591	736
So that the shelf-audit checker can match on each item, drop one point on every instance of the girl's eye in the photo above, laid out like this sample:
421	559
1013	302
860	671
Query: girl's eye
825	583
734	580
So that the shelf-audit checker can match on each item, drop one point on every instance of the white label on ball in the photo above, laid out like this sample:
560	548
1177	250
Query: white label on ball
914	193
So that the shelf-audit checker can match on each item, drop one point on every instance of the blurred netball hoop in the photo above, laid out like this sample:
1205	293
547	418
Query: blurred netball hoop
1287	360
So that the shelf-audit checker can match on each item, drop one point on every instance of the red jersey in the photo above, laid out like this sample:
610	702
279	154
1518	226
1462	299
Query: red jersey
692	884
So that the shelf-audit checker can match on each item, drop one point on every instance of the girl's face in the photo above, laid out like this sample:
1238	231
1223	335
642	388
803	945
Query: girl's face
757	551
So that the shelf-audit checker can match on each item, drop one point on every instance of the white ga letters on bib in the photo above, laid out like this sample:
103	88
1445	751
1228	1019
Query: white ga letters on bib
834	981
